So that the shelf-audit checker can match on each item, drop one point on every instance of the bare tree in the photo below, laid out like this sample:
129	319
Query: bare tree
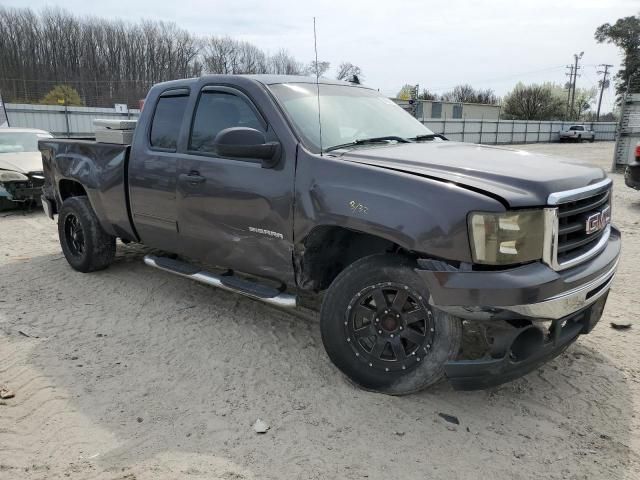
533	102
283	64
111	61
318	68
467	94
347	70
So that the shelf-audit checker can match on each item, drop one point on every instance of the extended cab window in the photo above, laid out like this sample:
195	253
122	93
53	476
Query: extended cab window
217	111
167	120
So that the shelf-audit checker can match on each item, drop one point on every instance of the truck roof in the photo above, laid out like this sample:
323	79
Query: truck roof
266	79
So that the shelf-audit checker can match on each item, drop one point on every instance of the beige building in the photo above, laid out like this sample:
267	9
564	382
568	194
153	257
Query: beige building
436	110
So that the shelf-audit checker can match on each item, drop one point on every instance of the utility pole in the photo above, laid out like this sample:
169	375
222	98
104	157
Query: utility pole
604	83
569	87
577	57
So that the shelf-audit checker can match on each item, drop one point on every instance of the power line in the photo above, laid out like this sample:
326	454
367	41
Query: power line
604	83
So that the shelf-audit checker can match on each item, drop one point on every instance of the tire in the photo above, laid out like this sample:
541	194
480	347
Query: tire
592	139
86	246
579	140
414	340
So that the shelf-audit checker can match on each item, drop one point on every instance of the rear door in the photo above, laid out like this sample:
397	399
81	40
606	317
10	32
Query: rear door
153	173
232	212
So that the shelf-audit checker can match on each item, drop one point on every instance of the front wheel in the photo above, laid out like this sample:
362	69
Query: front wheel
85	244
380	331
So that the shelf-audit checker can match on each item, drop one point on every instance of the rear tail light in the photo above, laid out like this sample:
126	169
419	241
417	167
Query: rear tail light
637	151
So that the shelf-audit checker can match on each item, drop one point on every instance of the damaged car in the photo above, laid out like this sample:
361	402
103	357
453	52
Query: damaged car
21	176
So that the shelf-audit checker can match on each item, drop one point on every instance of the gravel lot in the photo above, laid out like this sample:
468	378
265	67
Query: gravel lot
132	373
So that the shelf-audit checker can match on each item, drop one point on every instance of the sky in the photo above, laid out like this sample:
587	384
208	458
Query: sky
489	44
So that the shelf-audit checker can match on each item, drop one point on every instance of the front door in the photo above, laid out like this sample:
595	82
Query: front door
233	213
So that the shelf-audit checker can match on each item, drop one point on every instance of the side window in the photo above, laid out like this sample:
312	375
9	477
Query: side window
457	111
167	120
217	111
436	110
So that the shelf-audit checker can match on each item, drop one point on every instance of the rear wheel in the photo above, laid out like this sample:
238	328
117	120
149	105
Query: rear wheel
85	244
380	331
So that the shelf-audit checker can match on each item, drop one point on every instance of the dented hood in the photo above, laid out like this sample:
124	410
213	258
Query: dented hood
518	177
22	162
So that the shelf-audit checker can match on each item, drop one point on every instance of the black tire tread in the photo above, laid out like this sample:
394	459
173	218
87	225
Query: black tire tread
380	268
100	246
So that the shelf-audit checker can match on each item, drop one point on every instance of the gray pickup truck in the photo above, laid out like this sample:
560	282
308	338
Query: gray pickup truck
411	245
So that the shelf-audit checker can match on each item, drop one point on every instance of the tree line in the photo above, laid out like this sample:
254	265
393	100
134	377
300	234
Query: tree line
54	56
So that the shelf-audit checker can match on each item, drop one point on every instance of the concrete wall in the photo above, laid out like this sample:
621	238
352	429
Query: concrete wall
512	131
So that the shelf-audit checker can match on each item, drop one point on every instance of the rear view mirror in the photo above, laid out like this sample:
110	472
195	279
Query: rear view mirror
243	142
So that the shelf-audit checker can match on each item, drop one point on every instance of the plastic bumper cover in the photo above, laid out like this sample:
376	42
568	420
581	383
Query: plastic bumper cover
489	372
532	291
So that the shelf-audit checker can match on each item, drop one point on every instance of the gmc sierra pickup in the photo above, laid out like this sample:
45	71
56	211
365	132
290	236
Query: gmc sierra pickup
410	243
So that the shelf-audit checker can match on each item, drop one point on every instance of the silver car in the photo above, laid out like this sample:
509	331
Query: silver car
21	176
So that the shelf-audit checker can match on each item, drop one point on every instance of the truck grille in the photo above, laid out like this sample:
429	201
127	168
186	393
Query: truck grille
573	239
572	242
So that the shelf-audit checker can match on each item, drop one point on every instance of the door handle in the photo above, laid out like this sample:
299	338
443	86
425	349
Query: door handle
192	177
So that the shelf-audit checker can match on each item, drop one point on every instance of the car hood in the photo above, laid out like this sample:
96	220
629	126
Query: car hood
518	177
22	162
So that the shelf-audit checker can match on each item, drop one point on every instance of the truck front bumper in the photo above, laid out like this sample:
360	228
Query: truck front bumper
520	300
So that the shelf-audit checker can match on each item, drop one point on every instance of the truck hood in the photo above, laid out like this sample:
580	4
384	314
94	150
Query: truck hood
21	162
519	178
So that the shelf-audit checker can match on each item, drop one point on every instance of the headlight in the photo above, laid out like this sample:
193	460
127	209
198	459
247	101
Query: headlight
12	177
506	238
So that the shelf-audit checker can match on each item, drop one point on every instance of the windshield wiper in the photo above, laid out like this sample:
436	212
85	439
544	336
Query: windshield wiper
428	136
365	141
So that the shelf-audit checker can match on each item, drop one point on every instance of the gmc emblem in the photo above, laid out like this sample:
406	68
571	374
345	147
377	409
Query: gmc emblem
598	221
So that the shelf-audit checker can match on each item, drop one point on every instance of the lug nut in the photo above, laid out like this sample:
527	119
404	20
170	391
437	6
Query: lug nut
380	332
392	335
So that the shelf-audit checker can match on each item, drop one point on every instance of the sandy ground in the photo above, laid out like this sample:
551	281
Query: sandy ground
132	373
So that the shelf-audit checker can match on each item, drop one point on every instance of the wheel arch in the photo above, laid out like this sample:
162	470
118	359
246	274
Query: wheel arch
328	249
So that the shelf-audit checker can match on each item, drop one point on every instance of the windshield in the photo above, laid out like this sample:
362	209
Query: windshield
348	114
12	142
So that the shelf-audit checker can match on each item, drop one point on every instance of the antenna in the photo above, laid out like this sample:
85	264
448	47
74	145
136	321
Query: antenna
315	47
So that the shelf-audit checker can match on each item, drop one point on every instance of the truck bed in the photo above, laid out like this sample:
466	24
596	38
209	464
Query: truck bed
101	168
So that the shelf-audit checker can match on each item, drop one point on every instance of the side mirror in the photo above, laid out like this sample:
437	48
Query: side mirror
243	142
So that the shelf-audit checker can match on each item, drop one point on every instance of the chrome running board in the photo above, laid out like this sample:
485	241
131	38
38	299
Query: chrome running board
231	283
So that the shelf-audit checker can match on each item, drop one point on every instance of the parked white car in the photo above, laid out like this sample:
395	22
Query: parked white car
21	176
577	133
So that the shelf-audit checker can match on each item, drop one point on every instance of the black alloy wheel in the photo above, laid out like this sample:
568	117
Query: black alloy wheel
389	327
74	235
